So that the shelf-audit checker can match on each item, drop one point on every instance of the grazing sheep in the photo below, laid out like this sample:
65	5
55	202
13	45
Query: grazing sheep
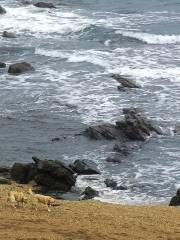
17	198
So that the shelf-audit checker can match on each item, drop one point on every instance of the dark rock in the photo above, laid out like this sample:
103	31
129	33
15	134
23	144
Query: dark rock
85	167
35	159
4	181
113	185
122	149
135	126
57	139
23	173
89	193
116	158
7	34
125	83
104	131
44	5
2	10
5	169
19	68
55	175
175	201
2	65
51	183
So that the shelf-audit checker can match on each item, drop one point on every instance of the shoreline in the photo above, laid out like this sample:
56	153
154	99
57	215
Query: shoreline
88	219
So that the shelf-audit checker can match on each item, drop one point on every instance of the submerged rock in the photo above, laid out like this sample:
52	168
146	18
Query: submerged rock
175	201
115	158
89	193
85	167
19	68
125	83
113	185
2	65
44	5
7	34
2	10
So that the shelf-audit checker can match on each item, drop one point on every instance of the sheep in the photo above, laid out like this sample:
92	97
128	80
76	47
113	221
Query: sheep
47	200
17	197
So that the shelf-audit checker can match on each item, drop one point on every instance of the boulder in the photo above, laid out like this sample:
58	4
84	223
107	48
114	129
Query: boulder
125	83
175	201
89	193
23	172
44	5
7	34
2	10
85	167
113	185
19	68
54	175
2	65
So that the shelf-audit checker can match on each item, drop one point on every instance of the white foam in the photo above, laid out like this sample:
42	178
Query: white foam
151	38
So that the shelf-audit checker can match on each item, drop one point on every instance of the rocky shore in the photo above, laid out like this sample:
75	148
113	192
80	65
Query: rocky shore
86	220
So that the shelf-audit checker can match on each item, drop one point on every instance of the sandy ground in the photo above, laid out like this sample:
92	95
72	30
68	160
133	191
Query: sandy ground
86	220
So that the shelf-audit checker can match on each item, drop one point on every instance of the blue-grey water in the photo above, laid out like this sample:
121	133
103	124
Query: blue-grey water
74	48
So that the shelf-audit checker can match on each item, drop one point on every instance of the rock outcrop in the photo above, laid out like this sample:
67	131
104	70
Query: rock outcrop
2	65
89	193
19	68
135	126
113	185
175	201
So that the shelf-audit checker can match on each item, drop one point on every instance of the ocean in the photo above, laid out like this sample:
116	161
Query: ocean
74	49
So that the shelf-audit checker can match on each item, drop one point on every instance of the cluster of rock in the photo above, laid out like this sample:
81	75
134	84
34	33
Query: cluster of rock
135	126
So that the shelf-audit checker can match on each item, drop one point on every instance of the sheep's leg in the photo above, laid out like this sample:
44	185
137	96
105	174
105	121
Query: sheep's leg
48	207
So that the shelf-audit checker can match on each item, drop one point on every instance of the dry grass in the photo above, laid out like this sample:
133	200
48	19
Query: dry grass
87	220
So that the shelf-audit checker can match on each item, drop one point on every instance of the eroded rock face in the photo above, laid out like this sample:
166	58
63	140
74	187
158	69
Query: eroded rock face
19	68
44	5
85	167
2	10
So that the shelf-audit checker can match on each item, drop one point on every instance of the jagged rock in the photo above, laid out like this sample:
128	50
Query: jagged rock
44	5
125	83
2	65
113	185
85	167
135	126
7	34
23	172
19	68
2	10
89	193
175	201
104	131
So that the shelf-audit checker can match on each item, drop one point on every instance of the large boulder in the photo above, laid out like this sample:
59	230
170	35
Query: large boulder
44	5
125	82
23	172
2	10
54	175
85	167
175	201
89	193
19	68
